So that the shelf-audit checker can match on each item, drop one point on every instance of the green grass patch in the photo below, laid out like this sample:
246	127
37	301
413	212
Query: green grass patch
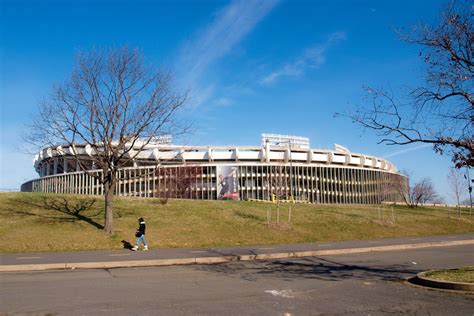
465	275
49	222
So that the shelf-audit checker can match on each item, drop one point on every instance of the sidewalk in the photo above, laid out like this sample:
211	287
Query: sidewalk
160	257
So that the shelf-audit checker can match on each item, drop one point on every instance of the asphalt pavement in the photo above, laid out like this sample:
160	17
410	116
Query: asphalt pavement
156	257
369	283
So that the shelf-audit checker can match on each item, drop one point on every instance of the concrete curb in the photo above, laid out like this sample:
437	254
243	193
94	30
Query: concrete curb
423	280
225	258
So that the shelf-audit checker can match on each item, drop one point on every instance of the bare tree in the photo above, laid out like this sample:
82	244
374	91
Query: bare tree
423	192
456	181
177	182
457	184
439	112
279	183
402	185
418	193
116	105
383	196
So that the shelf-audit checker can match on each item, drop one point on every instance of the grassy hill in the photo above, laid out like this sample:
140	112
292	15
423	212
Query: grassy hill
50	222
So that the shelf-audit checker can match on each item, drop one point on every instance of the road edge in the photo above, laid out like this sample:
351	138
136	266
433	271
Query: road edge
422	280
226	258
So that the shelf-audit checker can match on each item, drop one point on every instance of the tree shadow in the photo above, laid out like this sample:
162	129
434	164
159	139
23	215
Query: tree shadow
73	210
310	268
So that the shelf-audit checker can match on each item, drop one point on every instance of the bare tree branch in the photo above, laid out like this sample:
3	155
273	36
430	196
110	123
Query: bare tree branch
440	112
113	103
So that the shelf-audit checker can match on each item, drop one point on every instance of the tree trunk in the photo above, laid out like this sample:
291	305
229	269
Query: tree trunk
278	212
109	190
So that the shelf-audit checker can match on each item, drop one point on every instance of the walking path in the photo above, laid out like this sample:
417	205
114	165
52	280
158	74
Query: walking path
158	257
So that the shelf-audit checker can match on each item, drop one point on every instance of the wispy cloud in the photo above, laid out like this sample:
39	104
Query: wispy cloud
223	102
229	27
404	151
312	58
199	95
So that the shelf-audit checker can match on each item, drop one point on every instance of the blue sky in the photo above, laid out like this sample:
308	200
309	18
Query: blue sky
252	66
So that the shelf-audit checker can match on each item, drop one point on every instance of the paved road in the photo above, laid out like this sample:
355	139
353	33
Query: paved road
126	255
368	284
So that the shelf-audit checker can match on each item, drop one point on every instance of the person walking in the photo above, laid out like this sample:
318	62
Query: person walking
140	234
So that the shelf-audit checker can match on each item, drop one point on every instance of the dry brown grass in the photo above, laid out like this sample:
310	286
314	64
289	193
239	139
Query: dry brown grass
465	274
48	222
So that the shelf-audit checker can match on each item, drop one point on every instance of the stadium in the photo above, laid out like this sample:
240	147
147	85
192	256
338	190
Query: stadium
282	168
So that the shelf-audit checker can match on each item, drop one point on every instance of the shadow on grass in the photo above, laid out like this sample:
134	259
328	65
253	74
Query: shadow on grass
311	268
73	209
248	216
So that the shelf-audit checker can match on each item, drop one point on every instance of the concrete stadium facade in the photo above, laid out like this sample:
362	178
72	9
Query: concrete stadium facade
267	172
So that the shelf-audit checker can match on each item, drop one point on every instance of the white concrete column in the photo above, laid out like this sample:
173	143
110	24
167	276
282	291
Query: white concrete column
309	157
267	152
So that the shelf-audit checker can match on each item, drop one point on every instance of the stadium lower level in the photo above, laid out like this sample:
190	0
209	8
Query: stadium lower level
267	173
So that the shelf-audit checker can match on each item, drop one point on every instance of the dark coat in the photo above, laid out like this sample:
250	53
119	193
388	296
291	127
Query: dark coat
141	229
